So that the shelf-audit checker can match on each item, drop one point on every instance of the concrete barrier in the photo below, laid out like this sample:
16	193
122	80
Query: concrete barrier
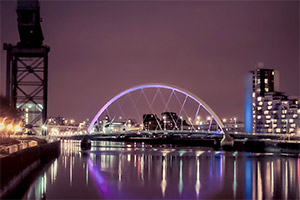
15	167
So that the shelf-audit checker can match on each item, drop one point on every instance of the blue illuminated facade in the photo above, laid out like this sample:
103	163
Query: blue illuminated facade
248	118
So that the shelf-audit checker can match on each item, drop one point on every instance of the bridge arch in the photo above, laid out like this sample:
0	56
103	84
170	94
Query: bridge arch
158	85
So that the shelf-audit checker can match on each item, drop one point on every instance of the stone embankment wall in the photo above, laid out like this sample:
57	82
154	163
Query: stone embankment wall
15	167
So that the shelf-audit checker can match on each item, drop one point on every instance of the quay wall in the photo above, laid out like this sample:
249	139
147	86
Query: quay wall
15	167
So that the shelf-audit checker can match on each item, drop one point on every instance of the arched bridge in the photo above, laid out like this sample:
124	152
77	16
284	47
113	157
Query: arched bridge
135	110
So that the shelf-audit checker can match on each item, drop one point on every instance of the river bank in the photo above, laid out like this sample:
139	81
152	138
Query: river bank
20	159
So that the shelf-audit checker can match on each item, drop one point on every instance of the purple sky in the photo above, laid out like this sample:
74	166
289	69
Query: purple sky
101	48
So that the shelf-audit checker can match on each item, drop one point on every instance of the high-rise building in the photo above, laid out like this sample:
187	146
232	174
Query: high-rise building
266	109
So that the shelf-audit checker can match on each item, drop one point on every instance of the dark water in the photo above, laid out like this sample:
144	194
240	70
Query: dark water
136	170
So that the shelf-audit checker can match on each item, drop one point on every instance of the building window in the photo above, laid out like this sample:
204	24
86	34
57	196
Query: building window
266	80
277	130
269	107
258	117
269	103
266	112
267	89
269	130
291	120
295	116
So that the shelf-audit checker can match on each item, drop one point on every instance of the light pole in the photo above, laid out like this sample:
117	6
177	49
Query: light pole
235	123
164	117
181	121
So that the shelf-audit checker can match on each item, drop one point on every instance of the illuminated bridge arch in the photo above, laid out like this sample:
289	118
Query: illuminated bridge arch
158	86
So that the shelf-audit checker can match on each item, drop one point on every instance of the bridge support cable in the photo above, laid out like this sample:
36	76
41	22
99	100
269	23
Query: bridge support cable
108	113
134	105
182	107
167	103
122	112
150	107
197	112
166	108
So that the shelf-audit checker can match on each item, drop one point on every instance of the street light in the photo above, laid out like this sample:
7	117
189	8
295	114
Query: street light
235	126
164	117
181	121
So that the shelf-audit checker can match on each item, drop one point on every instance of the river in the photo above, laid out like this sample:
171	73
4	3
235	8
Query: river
125	170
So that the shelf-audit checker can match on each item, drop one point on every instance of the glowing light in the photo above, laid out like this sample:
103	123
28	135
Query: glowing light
174	88
18	128
9	127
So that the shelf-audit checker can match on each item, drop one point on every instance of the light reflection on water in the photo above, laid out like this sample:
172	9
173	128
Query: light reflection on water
137	170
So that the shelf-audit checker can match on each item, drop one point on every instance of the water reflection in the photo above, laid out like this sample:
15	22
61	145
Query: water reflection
137	170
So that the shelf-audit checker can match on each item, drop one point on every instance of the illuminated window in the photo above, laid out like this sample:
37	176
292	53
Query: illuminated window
268	117
258	98
284	111
274	125
291	130
269	107
293	125
268	121
295	116
291	120
260	103
269	130
282	116
253	94
277	130
267	125
298	111
258	108
267	89
266	112
269	103
258	117
266	80
273	73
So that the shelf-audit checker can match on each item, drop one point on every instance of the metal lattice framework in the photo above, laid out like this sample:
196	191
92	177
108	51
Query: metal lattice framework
174	92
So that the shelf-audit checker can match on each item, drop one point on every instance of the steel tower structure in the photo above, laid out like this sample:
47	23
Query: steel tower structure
27	67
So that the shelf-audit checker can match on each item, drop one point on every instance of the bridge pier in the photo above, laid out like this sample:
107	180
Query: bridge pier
227	140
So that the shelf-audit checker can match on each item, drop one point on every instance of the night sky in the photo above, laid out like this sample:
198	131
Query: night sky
101	48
